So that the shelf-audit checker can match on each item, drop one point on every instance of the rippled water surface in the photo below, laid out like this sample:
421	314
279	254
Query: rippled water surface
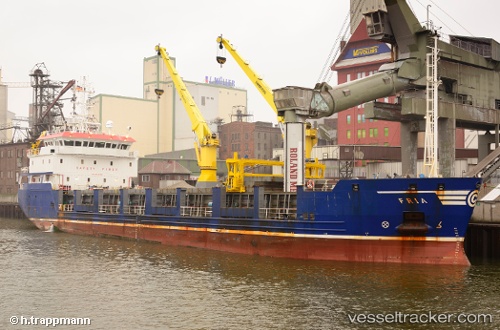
121	284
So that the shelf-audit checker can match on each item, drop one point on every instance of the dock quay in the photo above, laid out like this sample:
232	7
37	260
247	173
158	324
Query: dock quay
11	210
483	235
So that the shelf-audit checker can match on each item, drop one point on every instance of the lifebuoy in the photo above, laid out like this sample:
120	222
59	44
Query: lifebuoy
310	184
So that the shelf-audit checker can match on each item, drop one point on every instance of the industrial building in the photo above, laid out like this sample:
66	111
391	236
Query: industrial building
12	155
6	126
161	124
362	56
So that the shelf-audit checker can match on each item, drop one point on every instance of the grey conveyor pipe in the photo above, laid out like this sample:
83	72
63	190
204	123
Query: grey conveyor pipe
325	100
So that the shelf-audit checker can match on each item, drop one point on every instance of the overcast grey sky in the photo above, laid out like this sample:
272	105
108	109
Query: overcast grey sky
286	41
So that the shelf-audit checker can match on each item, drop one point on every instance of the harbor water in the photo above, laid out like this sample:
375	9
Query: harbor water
52	277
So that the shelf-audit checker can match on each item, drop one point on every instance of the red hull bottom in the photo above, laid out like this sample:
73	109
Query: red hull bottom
410	250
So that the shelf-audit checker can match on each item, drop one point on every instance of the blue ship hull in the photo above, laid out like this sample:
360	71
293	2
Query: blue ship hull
404	220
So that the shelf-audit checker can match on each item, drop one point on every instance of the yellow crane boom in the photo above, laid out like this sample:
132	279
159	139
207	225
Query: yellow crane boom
264	89
259	83
207	142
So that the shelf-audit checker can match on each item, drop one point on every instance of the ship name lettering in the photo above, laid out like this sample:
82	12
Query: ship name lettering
292	175
412	200
88	168
109	169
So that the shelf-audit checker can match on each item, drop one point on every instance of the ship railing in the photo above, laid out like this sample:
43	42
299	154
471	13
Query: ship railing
134	209
66	207
280	213
196	211
114	209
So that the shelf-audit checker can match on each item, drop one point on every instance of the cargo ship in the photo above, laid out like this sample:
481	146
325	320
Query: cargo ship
80	183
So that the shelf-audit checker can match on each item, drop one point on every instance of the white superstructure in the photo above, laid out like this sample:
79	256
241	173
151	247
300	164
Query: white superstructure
82	160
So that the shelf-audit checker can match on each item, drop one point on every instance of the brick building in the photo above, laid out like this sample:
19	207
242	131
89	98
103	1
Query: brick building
13	159
361	57
249	139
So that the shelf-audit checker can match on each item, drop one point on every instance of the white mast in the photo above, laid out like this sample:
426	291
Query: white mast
431	165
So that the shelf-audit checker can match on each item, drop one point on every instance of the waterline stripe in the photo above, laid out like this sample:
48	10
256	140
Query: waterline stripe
258	233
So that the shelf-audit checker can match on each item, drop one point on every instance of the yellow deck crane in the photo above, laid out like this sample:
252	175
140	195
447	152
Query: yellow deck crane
314	170
264	89
207	142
